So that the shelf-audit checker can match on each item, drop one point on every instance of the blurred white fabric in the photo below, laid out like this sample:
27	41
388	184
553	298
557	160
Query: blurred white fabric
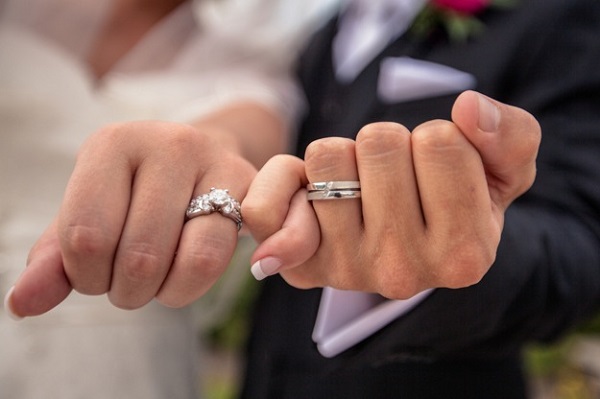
226	51
366	27
408	79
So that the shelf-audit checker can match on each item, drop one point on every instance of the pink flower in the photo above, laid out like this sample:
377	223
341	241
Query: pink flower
462	6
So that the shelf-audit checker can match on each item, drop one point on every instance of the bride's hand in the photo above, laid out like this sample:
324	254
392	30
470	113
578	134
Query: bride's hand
121	229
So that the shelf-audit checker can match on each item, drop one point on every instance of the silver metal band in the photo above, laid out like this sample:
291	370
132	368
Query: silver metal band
334	185
217	200
332	190
332	195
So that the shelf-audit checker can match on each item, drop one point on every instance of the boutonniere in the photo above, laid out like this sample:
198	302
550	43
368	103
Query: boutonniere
459	18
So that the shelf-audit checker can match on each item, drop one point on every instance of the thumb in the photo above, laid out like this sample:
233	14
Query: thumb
43	284
507	139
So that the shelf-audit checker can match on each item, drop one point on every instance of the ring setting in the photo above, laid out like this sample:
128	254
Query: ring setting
217	200
332	190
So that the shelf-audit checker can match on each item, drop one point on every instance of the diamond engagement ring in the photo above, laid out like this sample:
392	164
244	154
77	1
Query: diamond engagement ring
332	190
217	200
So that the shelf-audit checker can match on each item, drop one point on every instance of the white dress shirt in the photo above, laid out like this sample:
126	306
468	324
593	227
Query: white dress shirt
366	27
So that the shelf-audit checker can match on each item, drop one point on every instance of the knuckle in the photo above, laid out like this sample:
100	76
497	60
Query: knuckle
81	246
385	264
141	263
96	288
118	132
381	135
182	140
110	132
381	139
393	289
174	301
467	264
85	241
209	267
106	138
125	303
325	155
437	135
208	258
395	277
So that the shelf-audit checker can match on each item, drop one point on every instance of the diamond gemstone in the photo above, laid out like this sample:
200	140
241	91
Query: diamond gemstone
227	208
219	197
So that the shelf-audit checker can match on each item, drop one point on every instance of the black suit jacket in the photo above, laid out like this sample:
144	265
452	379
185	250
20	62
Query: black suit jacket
543	56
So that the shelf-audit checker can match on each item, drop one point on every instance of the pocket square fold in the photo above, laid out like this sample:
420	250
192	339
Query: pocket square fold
404	79
346	318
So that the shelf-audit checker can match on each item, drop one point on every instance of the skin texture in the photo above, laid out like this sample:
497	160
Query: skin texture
431	212
122	219
432	206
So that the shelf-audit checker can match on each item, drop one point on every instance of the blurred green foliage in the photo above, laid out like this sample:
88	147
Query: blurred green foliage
550	365
232	332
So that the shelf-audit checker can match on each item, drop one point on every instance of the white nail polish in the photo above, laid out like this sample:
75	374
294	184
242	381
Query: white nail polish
7	306
265	267
257	271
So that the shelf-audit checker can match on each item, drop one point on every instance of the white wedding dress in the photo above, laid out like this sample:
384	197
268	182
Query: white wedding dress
227	50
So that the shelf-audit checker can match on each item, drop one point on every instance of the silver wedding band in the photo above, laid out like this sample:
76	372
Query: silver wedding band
332	190
217	200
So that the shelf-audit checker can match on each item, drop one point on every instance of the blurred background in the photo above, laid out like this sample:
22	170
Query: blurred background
568	369
53	94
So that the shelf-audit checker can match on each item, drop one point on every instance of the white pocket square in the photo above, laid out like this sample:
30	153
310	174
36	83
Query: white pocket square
346	318
407	79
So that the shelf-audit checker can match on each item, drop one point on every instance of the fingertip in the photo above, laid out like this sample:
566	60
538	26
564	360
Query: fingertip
42	286
8	307
464	100
473	111
257	271
266	267
465	110
295	243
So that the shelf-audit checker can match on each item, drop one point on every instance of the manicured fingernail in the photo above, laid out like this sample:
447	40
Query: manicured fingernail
8	307
265	267
489	115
